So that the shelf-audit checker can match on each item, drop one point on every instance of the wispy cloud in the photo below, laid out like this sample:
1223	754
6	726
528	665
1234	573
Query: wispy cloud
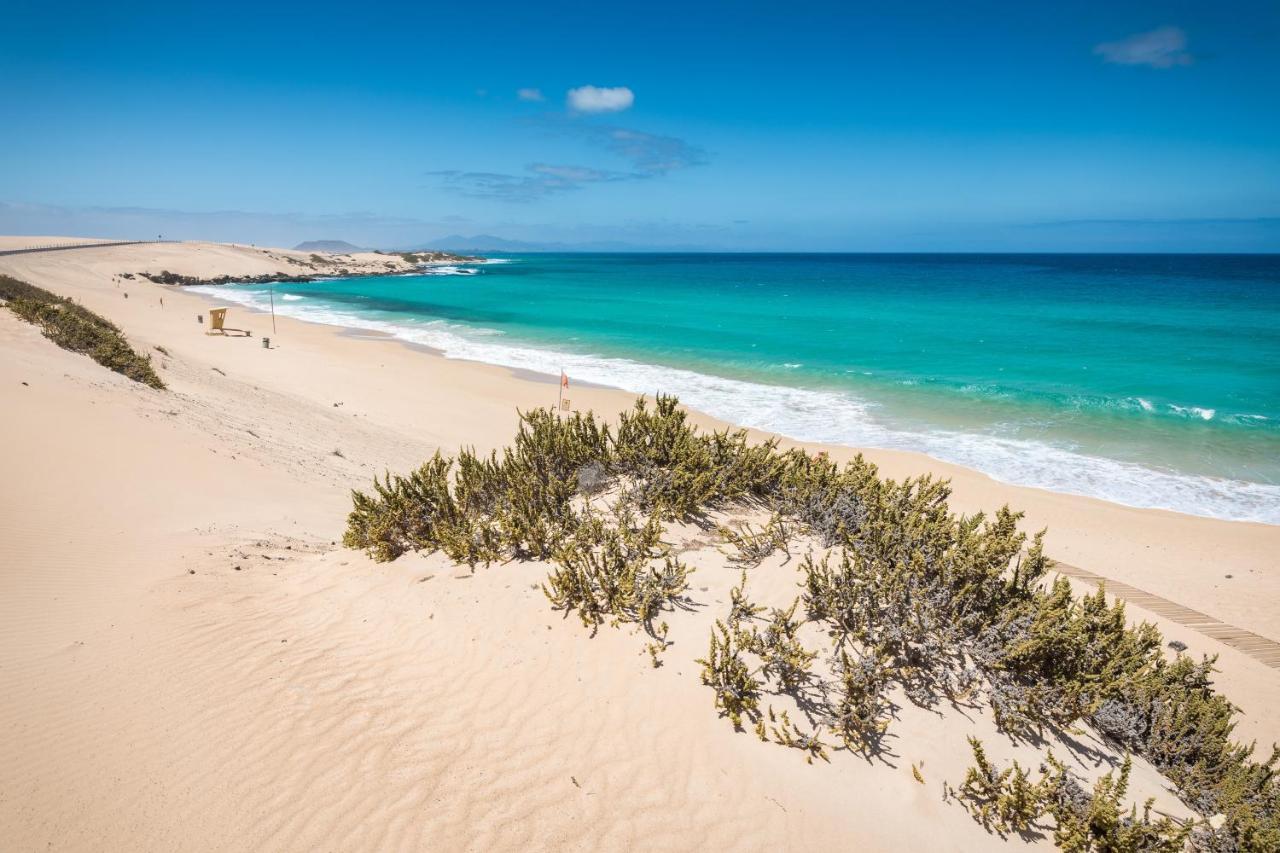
594	99
1164	47
648	155
534	95
540	181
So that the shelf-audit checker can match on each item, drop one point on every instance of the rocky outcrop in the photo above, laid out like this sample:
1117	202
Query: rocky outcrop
166	277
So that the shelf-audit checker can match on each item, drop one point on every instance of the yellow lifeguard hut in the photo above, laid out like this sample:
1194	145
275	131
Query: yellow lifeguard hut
217	317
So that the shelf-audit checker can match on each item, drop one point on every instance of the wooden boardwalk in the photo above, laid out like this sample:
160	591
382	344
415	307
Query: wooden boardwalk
1256	646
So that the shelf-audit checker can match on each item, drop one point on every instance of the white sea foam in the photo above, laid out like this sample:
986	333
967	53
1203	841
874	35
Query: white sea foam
830	417
445	269
1193	411
292	297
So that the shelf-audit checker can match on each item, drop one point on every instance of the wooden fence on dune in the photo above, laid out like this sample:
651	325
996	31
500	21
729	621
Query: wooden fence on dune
58	247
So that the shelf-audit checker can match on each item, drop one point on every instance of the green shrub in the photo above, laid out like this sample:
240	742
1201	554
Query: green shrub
909	594
1008	801
607	571
860	712
784	658
1004	800
1054	660
76	328
1098	823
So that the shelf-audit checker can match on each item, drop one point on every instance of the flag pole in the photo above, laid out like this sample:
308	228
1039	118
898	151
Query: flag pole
273	307
560	399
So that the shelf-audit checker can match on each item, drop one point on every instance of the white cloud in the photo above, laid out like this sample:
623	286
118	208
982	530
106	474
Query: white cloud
530	95
1164	47
593	99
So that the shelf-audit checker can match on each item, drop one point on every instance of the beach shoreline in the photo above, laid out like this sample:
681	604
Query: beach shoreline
181	545
1109	424
973	490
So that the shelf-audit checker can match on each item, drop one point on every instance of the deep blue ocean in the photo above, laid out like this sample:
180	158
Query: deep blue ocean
1150	380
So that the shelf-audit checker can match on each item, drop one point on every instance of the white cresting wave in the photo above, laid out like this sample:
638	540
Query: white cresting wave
444	269
827	417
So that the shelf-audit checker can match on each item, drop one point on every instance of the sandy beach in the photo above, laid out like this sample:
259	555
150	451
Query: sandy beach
189	658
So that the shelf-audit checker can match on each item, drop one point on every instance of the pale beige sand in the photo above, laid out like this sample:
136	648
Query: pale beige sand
315	700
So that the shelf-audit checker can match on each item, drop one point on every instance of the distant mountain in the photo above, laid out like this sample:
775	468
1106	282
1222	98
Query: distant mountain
337	247
486	244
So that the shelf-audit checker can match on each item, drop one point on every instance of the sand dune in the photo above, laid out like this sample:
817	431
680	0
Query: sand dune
188	660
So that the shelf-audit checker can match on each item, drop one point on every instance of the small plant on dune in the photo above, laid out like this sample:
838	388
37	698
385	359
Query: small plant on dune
517	505
737	690
659	645
784	658
741	608
1172	716
1006	800
681	473
786	733
829	501
860	712
750	547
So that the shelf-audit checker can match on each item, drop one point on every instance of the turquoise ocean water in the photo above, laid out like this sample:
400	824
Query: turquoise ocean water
1150	380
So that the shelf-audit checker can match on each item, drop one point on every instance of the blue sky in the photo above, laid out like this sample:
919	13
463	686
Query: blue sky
804	126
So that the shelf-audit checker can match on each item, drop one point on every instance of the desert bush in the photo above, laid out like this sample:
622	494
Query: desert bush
1173	717
681	472
518	504
1054	660
404	513
829	501
910	595
1098	822
74	327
